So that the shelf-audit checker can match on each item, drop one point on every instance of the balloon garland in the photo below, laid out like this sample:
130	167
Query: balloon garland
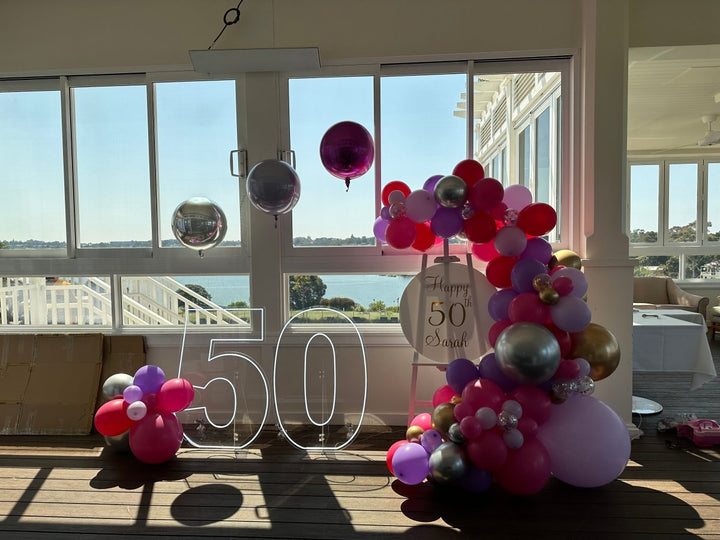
525	412
141	408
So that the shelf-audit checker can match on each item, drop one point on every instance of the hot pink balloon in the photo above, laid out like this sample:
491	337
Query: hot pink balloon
347	150
483	393
156	438
400	233
527	307
526	470
175	395
444	394
422	420
488	451
535	402
485	194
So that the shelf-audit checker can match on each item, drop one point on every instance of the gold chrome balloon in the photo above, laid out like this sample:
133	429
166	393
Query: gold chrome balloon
598	346
549	296
414	432
442	417
568	258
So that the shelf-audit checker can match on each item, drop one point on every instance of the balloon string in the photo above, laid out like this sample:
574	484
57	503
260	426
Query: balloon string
347	185
276	221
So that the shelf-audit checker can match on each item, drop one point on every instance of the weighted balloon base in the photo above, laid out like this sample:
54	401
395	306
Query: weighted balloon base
642	406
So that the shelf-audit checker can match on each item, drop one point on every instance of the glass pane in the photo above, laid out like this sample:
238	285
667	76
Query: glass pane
163	300
702	267
328	213
31	170
644	203
709	266
420	135
196	130
713	203
55	301
682	202
657	265
542	162
524	149
368	298
111	138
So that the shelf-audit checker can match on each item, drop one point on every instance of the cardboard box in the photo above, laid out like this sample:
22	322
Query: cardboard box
61	373
121	354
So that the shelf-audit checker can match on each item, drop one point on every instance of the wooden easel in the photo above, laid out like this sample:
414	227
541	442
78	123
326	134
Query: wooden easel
446	259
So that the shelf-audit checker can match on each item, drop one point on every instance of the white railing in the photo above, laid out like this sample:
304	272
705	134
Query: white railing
39	301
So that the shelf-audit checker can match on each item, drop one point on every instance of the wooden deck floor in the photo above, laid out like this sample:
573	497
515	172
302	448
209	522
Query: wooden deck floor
72	487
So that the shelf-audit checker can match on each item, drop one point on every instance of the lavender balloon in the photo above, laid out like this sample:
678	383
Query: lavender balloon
347	151
411	463
379	229
149	379
498	304
522	274
537	248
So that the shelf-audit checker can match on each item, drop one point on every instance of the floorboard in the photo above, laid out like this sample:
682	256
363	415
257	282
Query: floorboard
74	487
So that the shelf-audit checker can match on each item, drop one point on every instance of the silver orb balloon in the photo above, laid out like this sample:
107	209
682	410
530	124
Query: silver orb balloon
115	385
451	191
273	186
119	443
527	353
448	463
199	224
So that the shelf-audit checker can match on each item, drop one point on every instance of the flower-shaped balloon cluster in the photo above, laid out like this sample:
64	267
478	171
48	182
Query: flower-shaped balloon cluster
144	411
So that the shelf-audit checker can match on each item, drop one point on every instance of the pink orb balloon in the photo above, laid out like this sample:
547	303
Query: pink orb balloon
347	150
156	438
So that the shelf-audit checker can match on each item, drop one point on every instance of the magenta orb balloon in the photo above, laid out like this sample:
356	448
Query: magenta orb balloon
347	150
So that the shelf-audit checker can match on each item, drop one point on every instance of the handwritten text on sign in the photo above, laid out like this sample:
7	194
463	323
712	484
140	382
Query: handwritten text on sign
443	312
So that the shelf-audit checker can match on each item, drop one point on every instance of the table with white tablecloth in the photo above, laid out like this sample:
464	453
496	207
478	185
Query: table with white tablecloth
672	340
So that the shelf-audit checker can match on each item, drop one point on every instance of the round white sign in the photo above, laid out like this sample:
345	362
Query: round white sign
443	312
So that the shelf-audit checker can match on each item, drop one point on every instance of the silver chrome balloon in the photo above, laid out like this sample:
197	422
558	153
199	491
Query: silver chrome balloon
119	443
448	463
451	191
273	186
527	353
115	385
199	224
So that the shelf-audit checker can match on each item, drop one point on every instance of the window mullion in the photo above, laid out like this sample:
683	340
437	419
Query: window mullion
152	163
70	168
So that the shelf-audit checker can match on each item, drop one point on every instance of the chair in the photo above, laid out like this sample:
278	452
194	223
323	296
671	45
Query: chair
661	292
714	322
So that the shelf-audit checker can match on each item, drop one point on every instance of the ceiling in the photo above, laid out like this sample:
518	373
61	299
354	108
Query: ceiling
669	90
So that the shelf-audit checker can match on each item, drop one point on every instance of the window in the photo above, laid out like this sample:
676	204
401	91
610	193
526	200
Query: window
31	155
670	221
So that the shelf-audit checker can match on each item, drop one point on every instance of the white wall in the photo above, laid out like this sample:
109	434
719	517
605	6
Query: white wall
89	36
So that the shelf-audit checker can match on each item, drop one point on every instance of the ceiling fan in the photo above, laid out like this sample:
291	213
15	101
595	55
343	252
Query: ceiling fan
711	137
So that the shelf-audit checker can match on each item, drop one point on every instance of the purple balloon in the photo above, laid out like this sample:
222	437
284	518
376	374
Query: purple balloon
522	274
488	368
429	184
459	372
447	222
498	303
385	213
580	285
379	229
347	150
133	393
411	463
588	443
430	440
571	314
149	378
539	249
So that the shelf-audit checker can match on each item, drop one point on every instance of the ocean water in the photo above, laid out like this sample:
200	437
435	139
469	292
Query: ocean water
364	289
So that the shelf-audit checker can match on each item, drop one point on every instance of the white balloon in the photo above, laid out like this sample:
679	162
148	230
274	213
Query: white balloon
420	206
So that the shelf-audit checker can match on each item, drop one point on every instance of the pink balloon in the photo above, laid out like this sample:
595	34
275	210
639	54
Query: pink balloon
420	206
485	194
562	285
517	197
571	314
462	410
483	393
111	418
510	241
156	438
537	219
444	394
487	451
534	401
568	370
526	470
579	282
485	252
175	395
422	420
588	443
496	329
400	233
528	307
527	426
470	427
